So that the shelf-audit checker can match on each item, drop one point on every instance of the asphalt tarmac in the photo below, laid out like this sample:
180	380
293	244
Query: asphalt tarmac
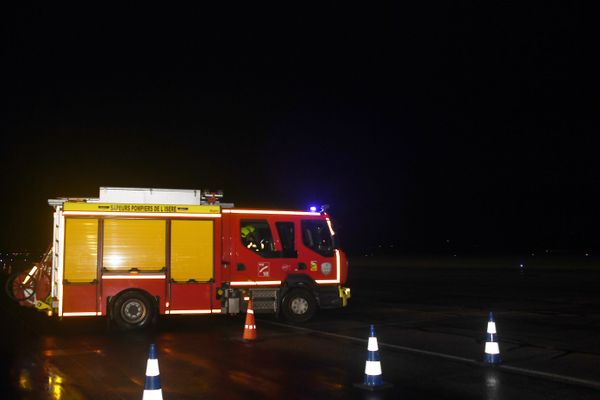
430	316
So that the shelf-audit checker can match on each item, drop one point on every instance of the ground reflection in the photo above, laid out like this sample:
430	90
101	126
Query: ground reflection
492	384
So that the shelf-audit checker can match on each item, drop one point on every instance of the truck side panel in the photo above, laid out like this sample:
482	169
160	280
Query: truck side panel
80	283
79	300
192	265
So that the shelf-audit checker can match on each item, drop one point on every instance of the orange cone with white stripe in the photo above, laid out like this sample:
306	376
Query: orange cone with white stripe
250	326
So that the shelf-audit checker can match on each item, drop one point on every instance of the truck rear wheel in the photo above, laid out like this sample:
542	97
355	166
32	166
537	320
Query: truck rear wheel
299	305
133	310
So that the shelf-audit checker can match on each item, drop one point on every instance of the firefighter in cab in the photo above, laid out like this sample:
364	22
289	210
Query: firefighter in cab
249	236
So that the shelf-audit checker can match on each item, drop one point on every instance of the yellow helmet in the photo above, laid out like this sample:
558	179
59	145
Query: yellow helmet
246	230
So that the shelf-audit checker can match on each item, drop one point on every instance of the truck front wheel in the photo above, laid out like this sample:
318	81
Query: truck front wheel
133	310
299	305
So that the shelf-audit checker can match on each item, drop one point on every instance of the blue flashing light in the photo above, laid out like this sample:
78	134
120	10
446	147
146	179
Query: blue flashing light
313	208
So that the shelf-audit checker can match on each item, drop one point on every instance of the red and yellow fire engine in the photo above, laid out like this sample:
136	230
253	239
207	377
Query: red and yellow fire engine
134	253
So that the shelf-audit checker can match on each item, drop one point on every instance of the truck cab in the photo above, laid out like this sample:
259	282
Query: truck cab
292	252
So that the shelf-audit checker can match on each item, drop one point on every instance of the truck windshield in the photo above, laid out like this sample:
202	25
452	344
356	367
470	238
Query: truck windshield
317	236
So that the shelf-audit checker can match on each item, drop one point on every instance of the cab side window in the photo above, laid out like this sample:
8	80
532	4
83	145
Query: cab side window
286	236
317	237
256	236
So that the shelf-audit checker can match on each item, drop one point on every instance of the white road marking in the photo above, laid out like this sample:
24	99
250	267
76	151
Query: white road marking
504	367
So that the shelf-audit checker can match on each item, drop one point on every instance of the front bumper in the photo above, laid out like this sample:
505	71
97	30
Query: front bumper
332	296
344	295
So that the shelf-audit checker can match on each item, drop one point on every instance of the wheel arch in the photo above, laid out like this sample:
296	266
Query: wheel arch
110	301
302	281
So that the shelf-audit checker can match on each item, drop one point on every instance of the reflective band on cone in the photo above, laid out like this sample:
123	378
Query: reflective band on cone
152	390
373	346
373	375
492	349
373	368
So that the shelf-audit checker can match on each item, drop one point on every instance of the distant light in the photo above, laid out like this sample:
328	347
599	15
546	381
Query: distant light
313	209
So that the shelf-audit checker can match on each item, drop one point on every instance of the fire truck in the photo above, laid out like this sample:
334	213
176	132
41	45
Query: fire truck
133	254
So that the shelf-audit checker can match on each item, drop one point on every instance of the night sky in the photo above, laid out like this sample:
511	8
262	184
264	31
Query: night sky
419	123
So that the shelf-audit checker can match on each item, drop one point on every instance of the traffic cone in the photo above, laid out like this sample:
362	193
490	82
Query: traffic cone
373	376
250	325
492	350
152	390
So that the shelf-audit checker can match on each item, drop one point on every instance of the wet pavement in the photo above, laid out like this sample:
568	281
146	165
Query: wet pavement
430	325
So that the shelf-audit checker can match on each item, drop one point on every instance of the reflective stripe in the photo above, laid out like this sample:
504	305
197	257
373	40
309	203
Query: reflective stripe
330	227
250	311
275	212
152	394
373	368
492	348
30	274
152	367
57	249
135	214
338	273
372	346
250	326
134	276
190	311
491	327
254	283
80	314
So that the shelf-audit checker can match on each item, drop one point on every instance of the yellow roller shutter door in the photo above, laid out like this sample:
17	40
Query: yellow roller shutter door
134	243
191	250
81	250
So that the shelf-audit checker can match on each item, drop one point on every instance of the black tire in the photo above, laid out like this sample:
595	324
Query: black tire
18	291
299	305
133	310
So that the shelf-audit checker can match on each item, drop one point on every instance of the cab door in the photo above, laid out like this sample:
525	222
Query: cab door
264	249
316	250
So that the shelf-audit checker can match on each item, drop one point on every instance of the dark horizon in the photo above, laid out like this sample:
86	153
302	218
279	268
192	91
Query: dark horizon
416	124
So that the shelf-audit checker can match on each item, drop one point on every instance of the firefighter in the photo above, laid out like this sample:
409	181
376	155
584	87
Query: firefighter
248	236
